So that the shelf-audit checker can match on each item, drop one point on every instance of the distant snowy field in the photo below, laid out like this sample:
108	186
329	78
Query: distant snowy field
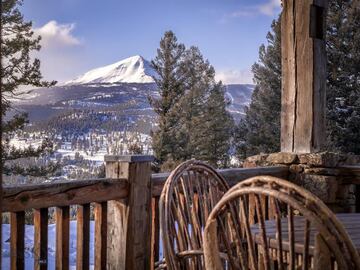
29	244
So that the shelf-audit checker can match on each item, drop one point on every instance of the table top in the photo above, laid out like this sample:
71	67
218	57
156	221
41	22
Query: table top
351	223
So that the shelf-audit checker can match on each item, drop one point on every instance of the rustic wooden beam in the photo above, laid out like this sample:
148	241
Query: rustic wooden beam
41	239
129	221
62	193
232	176
303	28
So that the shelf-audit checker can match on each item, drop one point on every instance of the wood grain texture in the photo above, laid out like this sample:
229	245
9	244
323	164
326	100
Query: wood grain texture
17	236
351	223
288	61
129	221
232	176
322	258
62	238
41	239
303	132
83	237
62	194
155	232
304	216
190	193
100	235
303	77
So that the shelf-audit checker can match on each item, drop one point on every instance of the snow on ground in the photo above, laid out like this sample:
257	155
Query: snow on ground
98	157
29	244
22	143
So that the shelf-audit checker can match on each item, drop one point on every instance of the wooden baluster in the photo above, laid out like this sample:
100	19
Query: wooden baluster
17	240
62	238
264	250
245	222
306	256
280	257
83	237
40	239
291	238
155	232
100	235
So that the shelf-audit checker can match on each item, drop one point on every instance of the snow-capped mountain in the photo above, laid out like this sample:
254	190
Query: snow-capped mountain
134	69
115	94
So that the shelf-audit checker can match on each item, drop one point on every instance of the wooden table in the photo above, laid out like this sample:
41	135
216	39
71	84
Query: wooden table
351	223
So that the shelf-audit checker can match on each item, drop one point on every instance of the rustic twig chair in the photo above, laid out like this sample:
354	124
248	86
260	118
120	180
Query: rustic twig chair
269	223
188	196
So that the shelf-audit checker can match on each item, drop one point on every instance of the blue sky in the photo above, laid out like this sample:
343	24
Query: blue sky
79	35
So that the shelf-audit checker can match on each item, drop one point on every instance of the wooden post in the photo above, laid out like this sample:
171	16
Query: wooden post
303	28
129	221
41	239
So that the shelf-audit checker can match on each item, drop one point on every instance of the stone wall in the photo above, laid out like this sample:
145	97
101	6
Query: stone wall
328	175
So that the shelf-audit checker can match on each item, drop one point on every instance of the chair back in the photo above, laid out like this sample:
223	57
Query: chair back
189	194
269	223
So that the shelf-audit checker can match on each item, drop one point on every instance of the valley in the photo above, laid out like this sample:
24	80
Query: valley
104	111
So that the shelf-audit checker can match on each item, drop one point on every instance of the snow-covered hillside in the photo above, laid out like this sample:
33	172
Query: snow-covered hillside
134	69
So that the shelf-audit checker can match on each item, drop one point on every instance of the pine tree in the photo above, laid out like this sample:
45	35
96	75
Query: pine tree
343	93
169	83
259	131
212	129
193	121
199	79
17	69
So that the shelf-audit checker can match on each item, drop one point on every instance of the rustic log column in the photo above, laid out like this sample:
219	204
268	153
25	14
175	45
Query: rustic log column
129	221
303	29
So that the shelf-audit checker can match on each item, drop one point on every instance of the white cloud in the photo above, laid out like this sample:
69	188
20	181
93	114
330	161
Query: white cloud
54	34
233	76
270	8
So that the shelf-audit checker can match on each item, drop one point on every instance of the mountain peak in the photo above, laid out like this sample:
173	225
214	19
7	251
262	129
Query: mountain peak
134	69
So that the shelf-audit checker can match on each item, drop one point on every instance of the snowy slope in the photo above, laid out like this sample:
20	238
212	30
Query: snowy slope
29	245
134	69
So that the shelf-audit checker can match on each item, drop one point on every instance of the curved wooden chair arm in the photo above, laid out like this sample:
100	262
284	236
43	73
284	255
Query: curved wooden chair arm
188	196
246	209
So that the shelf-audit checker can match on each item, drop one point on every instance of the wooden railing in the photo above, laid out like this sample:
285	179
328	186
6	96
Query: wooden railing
61	195
125	214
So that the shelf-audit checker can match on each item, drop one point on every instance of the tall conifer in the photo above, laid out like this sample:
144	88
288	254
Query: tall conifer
169	82
18	69
259	131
